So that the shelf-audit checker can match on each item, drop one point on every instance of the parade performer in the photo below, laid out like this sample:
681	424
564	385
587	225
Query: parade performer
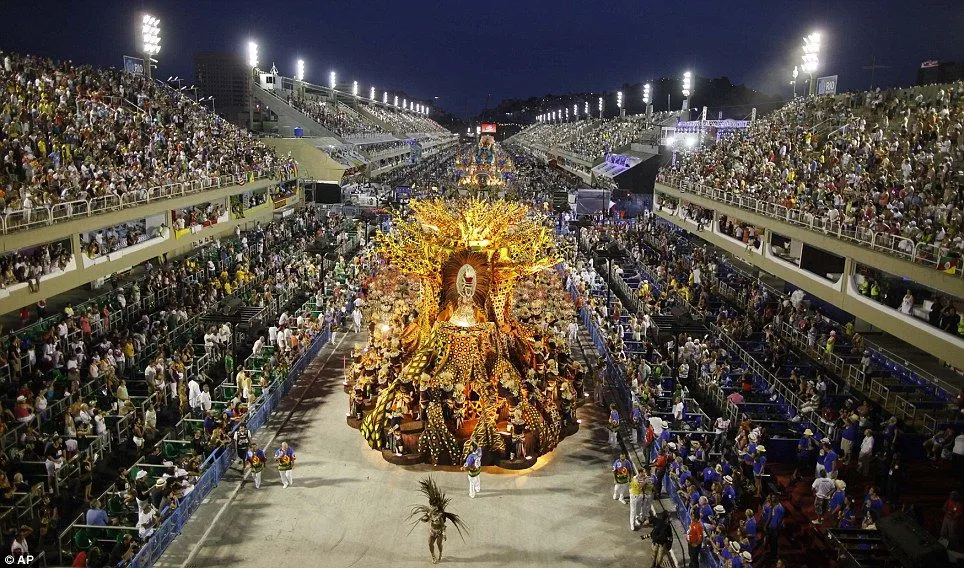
256	460
613	426
436	516
285	457
622	471
473	465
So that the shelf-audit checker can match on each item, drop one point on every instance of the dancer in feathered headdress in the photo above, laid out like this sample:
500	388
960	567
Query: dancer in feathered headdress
436	516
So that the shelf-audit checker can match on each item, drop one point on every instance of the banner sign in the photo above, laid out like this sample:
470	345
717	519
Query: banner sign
133	65
827	85
488	129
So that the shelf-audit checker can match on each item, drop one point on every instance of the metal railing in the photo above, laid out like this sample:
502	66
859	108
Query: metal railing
23	219
926	254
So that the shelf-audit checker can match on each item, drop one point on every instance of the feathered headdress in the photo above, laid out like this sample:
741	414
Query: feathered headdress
437	502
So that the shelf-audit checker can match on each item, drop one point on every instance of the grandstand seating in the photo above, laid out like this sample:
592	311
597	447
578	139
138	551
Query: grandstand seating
64	126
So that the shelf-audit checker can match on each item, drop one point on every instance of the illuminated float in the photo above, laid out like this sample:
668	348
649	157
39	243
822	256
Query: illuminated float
466	339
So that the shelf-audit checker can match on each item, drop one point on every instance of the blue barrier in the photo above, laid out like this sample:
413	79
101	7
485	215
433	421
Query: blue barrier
218	463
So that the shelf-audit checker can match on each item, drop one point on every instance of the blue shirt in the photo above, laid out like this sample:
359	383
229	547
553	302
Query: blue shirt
837	499
829	459
776	518
472	460
850	432
758	464
97	517
750	529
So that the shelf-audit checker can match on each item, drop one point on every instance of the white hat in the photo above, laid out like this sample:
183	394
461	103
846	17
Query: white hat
141	474
761	448
719	509
753	437
21	398
808	432
728	478
672	445
825	441
735	546
747	556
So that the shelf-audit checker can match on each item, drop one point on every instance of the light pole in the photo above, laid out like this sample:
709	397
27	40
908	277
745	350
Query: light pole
575	112
150	41
385	98
253	65
687	89
600	108
371	93
354	89
300	77
647	101
206	99
793	82
586	109
811	58
619	104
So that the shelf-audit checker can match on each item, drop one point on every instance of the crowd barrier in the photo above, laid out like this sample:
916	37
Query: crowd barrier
22	219
927	254
218	463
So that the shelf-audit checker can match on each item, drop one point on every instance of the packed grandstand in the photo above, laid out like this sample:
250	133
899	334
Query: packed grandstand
781	425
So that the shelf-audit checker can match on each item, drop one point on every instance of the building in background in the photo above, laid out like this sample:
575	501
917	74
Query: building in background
935	71
224	76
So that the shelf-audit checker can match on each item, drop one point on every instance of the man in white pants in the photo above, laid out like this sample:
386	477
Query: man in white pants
622	472
473	465
256	460
285	457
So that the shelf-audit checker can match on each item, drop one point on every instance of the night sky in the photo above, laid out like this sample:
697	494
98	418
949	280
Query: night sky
462	51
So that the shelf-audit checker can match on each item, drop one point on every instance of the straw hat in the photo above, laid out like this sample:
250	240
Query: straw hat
808	432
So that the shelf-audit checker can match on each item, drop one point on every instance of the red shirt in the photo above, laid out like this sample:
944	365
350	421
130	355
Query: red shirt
695	535
952	509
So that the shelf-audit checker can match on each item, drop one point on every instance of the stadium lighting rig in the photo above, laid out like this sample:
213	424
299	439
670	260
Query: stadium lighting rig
252	55
150	41
586	109
619	99
371	93
647	93
332	80
575	111
300	75
396	101
811	56
600	107
687	89
385	97
354	88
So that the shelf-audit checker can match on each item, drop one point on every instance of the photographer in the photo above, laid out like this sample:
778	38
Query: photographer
662	536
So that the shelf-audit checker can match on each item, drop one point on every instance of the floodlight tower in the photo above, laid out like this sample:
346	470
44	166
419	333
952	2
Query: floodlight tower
648	102
600	108
793	81
811	58
150	41
575	111
619	104
253	66
687	89
354	89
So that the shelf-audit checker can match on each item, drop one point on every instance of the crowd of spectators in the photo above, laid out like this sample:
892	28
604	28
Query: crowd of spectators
406	122
200	214
113	239
884	162
336	117
70	132
859	444
29	265
89	363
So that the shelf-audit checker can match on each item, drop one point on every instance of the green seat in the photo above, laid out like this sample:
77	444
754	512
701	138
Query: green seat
115	507
82	540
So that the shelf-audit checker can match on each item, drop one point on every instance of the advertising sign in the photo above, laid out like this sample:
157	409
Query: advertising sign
488	129
133	65
827	85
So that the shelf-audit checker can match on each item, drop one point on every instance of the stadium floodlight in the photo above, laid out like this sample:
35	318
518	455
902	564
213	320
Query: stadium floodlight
793	80
332	80
301	70
404	104
354	88
428	111
567	114
586	108
150	40
371	93
385	97
647	93
396	100
811	56
619	99
687	84
252	55
600	107
575	110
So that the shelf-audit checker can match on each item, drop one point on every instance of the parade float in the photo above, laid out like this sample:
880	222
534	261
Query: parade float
465	318
485	167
